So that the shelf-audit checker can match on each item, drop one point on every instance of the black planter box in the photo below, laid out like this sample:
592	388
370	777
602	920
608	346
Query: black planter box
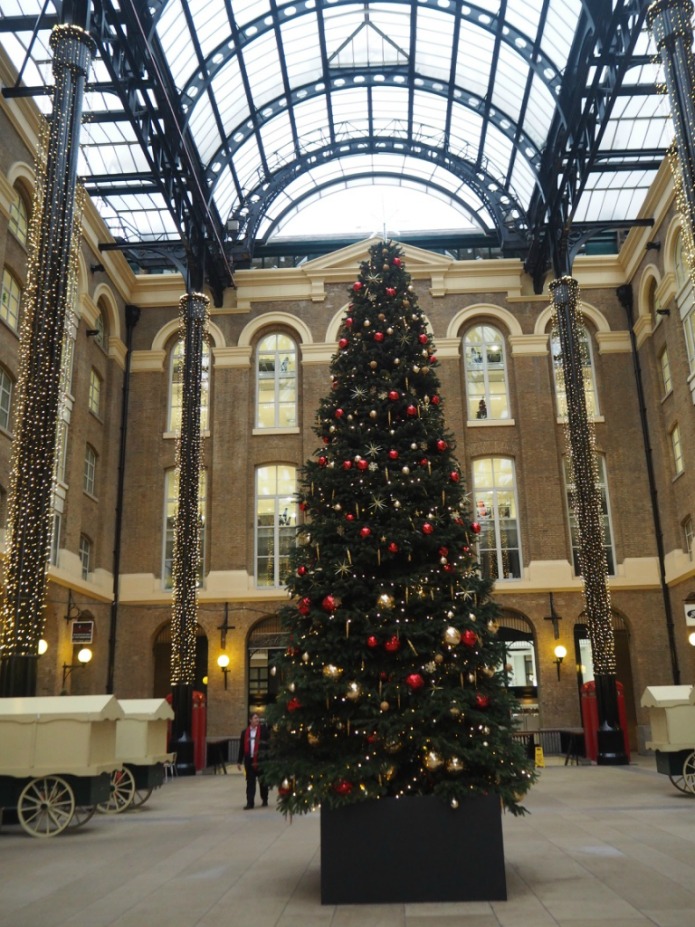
413	850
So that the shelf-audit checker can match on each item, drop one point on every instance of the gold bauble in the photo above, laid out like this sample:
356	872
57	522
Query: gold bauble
312	739
439	658
353	691
385	600
455	711
487	670
291	687
305	657
454	765
452	636
373	365
454	803
285	784
433	760
492	626
332	672
384	706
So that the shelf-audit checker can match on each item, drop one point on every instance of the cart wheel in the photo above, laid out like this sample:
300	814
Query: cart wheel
689	773
122	792
141	796
82	814
46	806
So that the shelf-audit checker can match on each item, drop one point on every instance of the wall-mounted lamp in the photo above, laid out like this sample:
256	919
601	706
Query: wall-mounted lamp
560	654
43	647
83	657
223	663
691	639
653	246
663	312
96	268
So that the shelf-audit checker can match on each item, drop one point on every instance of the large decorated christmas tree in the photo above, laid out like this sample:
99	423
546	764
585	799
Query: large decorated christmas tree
393	683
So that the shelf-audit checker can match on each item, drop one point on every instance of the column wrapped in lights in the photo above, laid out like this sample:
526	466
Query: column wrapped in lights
588	510
54	238
193	318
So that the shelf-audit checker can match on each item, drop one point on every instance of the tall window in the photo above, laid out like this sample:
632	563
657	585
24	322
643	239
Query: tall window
605	516
486	376
55	538
10	297
101	336
85	555
592	406
665	368
90	470
5	400
276	520
19	217
176	388
677	450
494	491
276	382
171	506
94	400
688	536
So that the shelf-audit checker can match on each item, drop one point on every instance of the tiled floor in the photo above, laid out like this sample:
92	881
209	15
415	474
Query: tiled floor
611	846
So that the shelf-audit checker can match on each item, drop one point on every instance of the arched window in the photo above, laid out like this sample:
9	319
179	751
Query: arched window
176	388
101	337
19	216
486	374
496	511
5	399
590	391
276	382
10	298
605	516
681	262
265	641
171	507
276	521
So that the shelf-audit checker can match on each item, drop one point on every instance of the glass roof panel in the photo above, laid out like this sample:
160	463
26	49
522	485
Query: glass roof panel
508	90
560	27
474	58
231	101
539	112
204	128
435	44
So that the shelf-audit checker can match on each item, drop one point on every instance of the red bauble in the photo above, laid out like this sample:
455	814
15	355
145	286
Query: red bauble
323	461
347	465
294	704
283	791
348	322
393	547
454	476
329	604
475	527
432	359
397	262
469	638
422	338
343	787
435	400
391	291
393	455
427	528
443	551
414	681
411	411
343	343
424	462
372	641
357	286
303	506
442	445
448	568
301	570
339	413
394	395
365	532
378	336
304	605
393	644
384	677
350	516
326	439
373	738
363	464
482	701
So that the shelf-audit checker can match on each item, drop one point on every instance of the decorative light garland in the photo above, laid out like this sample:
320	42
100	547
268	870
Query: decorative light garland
193	320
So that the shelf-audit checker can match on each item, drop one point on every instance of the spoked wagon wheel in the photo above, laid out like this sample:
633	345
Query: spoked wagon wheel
122	792
46	806
141	796
685	782
82	814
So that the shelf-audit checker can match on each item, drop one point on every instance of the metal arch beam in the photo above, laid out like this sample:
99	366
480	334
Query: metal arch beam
507	213
602	45
521	44
367	175
469	100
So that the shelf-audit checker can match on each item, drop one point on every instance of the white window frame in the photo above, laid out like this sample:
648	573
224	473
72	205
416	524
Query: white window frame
95	390
495	515
86	548
606	517
90	470
479	358
688	535
677	450
665	369
281	507
10	299
175	404
588	373
18	223
285	411
171	505
6	388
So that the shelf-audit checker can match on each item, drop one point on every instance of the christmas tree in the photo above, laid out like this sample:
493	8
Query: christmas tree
394	682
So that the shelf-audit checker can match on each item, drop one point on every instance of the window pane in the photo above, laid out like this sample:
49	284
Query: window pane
10	297
276	520
276	382
496	513
486	377
5	400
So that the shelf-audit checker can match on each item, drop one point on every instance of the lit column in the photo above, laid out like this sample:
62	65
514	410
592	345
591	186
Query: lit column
670	23
587	506
193	314
50	288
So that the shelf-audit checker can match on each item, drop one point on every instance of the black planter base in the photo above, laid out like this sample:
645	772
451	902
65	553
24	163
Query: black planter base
413	850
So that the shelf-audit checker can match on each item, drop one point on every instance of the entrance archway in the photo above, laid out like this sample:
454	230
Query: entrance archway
161	650
265	640
517	634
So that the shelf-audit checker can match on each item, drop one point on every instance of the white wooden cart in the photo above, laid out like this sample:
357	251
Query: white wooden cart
57	757
672	720
141	748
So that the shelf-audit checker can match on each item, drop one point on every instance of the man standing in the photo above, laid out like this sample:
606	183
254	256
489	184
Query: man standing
252	746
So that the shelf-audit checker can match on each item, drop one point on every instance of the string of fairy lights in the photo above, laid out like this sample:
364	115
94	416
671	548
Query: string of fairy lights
580	437
53	245
193	320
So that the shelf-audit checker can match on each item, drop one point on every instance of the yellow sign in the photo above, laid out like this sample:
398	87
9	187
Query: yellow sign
540	761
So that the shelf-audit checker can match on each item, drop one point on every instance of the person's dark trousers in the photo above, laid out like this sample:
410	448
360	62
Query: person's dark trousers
251	776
